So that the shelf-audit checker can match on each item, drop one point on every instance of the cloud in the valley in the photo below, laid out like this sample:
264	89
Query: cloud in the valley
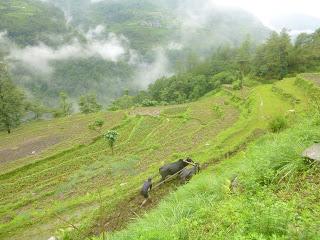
147	73
111	48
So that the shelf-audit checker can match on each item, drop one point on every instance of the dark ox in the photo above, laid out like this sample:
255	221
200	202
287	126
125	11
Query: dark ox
187	173
173	168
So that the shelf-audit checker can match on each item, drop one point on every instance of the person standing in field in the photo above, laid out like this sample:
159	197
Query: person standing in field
146	187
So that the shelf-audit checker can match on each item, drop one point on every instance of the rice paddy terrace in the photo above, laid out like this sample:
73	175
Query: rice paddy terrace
58	172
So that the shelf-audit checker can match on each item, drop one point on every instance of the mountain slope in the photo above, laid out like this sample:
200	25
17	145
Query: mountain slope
29	22
120	45
65	180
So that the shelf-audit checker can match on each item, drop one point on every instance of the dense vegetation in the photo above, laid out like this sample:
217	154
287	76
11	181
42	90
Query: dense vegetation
29	22
11	102
273	60
146	29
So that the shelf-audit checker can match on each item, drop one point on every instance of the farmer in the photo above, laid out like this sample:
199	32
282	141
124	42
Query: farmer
147	186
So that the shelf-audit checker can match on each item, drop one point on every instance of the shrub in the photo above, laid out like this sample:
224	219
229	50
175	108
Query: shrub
96	125
236	85
222	78
149	103
278	124
111	137
218	110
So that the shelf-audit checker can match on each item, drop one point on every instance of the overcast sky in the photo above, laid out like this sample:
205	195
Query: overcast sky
266	9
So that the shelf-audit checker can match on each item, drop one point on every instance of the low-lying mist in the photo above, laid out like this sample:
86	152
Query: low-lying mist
126	49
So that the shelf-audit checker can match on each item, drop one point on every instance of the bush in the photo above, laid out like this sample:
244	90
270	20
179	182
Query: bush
111	137
236	85
222	78
96	125
149	103
278	124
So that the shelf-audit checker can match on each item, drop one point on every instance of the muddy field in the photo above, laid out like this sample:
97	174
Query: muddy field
30	148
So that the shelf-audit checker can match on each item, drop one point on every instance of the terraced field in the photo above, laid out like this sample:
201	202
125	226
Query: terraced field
77	180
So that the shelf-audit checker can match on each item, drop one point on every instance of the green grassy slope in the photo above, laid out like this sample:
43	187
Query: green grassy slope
275	194
40	193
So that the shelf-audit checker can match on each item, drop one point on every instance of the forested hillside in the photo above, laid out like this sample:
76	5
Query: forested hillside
108	47
249	64
30	22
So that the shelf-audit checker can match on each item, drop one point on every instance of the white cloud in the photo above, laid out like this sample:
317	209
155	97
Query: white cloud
39	57
175	46
2	35
96	1
149	72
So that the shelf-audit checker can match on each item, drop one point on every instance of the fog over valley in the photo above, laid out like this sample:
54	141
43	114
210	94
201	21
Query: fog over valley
108	47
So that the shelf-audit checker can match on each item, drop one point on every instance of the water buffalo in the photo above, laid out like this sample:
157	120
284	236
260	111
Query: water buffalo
187	173
173	168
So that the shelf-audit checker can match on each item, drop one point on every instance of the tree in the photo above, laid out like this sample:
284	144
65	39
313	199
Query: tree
272	58
88	104
36	108
285	48
244	55
96	125
11	102
111	137
65	107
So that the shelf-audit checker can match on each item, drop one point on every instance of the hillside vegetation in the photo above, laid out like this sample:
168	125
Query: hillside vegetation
30	22
107	46
267	191
77	180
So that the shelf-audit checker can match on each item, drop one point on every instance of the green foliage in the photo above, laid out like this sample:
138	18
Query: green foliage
306	52
96	125
145	24
179	88
123	102
65	107
11	102
218	110
222	78
237	85
278	124
148	103
88	104
36	108
111	137
28	22
274	59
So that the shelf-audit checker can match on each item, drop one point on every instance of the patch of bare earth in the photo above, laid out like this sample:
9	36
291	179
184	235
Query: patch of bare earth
314	77
30	148
145	112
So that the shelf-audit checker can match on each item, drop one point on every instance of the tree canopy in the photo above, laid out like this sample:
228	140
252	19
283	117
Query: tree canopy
11	101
